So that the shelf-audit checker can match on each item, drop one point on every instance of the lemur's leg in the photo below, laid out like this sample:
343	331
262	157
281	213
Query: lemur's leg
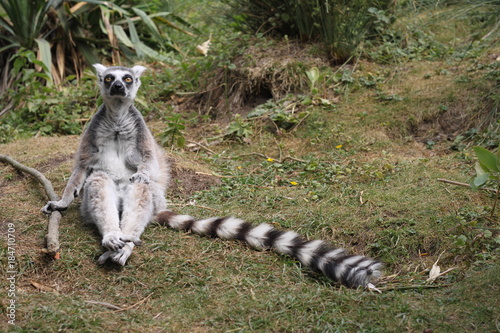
159	201
138	207
100	206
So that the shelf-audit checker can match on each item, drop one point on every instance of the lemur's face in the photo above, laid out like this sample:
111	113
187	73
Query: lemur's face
119	82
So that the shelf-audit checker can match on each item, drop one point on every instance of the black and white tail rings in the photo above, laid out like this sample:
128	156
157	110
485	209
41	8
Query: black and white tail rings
350	270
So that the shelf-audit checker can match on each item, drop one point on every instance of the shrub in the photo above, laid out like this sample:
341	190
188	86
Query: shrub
69	35
339	24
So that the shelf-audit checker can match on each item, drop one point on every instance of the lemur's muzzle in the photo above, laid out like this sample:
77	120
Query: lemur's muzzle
117	89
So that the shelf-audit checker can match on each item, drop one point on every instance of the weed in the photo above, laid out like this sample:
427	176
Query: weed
173	133
487	169
40	108
340	25
239	129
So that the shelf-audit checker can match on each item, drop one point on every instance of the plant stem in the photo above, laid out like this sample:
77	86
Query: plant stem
496	200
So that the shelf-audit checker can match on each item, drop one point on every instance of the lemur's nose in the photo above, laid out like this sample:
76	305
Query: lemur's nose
117	89
119	85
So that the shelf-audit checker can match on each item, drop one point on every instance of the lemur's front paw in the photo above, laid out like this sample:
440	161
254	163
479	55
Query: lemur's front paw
54	205
116	240
140	177
112	241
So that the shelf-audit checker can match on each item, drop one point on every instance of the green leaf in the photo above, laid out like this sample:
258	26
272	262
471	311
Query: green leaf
461	241
479	169
122	36
45	55
488	160
313	75
481	180
149	23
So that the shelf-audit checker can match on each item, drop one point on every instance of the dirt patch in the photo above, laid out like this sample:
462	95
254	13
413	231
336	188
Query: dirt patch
445	125
188	178
53	163
255	76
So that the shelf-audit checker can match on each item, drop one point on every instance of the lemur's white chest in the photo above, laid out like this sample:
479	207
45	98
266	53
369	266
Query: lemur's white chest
117	153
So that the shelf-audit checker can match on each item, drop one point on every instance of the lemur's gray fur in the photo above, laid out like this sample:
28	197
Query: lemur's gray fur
120	169
123	175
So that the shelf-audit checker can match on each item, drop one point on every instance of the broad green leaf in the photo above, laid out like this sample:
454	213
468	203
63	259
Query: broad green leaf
313	75
487	159
161	17
461	240
45	55
134	37
481	180
149	23
479	169
108	4
498	157
122	36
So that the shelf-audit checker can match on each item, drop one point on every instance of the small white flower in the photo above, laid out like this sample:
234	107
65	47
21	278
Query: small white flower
204	47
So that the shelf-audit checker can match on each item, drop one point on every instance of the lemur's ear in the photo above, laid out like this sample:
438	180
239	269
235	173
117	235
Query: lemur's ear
138	70
100	69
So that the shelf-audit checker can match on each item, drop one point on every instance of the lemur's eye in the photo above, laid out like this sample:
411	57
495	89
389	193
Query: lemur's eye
128	79
108	79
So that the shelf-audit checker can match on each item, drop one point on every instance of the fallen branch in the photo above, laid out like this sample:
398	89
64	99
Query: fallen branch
267	158
52	237
418	286
134	305
108	305
464	184
194	143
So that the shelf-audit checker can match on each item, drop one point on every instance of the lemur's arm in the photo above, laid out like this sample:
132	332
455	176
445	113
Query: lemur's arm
75	182
147	166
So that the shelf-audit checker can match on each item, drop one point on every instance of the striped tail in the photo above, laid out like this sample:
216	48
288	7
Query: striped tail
351	270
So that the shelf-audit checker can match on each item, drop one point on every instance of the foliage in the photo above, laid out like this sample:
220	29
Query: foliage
239	129
339	24
473	237
39	108
67	37
487	169
485	12
172	135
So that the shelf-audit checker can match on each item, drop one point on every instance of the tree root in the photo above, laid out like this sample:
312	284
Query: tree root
52	237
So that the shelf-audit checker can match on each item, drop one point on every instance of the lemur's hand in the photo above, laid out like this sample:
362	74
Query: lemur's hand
140	177
116	240
54	205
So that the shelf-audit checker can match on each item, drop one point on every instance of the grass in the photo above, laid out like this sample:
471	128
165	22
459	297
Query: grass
367	181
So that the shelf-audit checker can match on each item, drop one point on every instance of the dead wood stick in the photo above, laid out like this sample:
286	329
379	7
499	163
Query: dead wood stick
419	286
464	184
134	305
108	305
264	156
52	237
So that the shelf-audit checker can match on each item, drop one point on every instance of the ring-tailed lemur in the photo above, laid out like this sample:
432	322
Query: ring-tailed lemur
123	175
